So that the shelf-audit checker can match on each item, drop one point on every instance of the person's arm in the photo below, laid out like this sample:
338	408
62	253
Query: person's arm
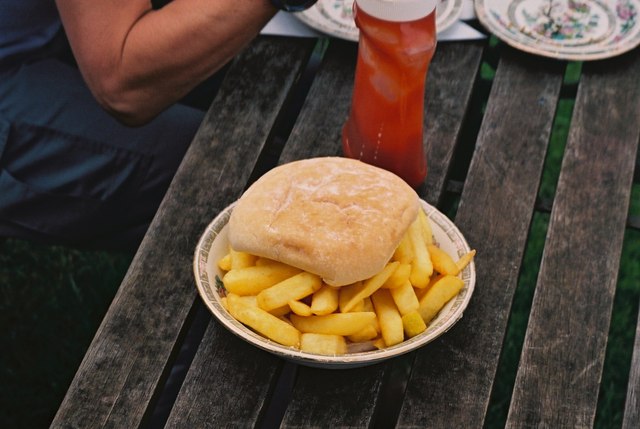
137	61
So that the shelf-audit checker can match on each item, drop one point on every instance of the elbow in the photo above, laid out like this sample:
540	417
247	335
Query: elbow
128	106
130	118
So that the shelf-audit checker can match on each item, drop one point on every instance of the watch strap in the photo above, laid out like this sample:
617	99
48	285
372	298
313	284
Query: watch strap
293	5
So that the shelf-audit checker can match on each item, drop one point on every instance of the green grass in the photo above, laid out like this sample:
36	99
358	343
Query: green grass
52	300
621	336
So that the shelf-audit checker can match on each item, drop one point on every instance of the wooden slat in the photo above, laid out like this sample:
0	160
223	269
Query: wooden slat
452	378
223	360
124	367
317	131
449	88
631	418
233	388
322	398
278	63
561	365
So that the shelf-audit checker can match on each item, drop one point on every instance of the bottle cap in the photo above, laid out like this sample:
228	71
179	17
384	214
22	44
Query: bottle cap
397	10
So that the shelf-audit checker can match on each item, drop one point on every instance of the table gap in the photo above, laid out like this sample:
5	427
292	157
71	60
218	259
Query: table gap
634	204
461	160
279	396
195	326
392	391
559	135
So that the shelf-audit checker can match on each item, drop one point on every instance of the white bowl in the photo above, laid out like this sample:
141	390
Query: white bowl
214	244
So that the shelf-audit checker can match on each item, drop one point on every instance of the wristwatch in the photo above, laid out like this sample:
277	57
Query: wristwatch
293	5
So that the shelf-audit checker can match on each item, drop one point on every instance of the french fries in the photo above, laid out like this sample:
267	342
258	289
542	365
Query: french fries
413	324
346	295
225	262
368	333
404	251
336	323
421	267
300	308
405	298
254	279
296	309
425	227
438	295
389	317
365	289
324	300
293	288
241	259
324	344
261	321
399	277
465	259
442	262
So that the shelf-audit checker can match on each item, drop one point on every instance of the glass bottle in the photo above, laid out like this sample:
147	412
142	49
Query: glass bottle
385	123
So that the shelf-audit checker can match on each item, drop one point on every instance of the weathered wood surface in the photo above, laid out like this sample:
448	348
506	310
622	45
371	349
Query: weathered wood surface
452	378
318	129
129	358
229	385
447	383
631	418
561	365
450	84
320	398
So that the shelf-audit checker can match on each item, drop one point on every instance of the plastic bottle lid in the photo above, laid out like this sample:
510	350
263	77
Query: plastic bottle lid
397	10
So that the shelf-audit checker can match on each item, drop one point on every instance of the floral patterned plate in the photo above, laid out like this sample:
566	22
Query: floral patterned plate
335	17
577	30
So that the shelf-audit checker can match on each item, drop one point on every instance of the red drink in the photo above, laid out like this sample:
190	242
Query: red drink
385	125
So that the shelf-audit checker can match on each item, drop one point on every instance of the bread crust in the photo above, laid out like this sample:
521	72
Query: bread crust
335	217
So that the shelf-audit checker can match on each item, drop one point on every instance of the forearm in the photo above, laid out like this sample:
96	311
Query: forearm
137	61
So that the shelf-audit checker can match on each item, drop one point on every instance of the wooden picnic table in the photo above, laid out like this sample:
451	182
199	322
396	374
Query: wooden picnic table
285	99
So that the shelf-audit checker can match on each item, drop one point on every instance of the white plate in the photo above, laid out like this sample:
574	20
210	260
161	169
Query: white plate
214	244
577	30
335	17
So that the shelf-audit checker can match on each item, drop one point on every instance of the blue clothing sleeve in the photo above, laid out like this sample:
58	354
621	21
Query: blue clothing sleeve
26	26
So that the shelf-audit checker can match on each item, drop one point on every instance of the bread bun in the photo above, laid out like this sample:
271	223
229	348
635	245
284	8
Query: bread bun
335	217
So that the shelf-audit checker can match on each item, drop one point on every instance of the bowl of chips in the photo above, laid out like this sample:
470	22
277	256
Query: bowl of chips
338	327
